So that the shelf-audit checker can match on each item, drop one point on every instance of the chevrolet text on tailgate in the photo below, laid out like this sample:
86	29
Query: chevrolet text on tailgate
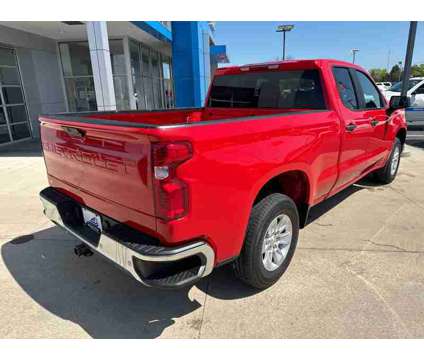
170	195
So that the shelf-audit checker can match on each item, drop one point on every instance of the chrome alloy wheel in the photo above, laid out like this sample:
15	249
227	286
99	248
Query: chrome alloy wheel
395	160
276	243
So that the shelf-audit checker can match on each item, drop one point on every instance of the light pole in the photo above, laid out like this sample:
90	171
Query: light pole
284	29
408	62
354	51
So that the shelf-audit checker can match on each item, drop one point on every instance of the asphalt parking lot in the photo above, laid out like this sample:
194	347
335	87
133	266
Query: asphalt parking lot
358	272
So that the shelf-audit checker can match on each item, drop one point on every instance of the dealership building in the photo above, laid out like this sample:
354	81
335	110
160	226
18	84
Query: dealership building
73	66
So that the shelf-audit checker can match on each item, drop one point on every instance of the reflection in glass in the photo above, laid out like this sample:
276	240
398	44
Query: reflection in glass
121	92
9	76
75	59
148	89
4	134
13	95
81	94
135	60
20	131
139	94
145	62
17	113
117	57
2	116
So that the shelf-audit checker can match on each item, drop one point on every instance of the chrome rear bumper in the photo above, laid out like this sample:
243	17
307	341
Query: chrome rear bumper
132	256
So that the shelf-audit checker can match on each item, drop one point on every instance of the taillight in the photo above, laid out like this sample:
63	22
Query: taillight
171	193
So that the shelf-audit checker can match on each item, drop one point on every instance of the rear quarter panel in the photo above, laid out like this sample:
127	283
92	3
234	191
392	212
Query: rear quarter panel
232	161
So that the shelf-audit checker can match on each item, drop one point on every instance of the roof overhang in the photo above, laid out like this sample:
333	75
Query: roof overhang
61	31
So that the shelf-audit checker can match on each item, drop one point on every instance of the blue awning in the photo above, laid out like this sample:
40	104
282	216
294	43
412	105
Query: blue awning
155	28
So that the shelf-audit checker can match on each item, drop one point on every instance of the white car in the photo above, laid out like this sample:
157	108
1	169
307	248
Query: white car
415	93
383	86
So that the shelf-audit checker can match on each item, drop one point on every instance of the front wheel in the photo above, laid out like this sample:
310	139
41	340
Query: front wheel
270	241
388	173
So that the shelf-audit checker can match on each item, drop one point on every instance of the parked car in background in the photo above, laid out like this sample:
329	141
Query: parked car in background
415	112
170	195
383	86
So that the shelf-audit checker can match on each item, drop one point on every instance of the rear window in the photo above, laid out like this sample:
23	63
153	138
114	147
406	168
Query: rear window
295	89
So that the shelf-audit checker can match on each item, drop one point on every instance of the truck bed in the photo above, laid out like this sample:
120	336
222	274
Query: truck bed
103	160
158	118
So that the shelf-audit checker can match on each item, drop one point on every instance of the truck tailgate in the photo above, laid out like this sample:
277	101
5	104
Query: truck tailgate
111	164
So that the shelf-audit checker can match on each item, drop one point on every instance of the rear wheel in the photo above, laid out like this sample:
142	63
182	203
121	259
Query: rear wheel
270	241
388	173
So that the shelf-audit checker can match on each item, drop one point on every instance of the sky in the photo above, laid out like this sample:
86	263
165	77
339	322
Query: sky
379	43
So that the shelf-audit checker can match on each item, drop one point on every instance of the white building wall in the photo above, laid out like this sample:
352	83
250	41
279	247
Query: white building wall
40	73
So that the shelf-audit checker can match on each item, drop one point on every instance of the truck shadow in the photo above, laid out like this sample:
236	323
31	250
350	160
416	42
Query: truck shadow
322	208
105	301
91	292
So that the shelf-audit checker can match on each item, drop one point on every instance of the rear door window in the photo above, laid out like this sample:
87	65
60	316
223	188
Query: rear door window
345	87
295	89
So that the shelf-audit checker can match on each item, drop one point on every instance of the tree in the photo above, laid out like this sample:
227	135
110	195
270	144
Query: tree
395	73
417	70
379	75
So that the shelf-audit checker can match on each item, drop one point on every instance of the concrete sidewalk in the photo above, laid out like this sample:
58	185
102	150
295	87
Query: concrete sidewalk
358	272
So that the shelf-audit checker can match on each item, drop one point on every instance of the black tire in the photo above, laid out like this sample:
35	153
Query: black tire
386	174
249	266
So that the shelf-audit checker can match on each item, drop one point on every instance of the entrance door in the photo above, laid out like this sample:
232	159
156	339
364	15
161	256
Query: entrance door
14	123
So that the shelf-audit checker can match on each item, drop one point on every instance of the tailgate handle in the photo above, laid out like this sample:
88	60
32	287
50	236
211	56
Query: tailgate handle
75	132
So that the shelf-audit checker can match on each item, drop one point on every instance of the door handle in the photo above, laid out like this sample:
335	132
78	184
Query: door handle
374	122
350	127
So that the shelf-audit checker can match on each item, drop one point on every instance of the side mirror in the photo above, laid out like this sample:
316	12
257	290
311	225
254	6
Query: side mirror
398	102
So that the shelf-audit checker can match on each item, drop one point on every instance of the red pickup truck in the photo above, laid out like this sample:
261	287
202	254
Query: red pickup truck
169	195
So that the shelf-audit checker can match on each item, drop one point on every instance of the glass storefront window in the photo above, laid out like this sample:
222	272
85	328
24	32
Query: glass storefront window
14	122
75	58
78	76
2	116
4	134
9	76
145	68
17	113
121	92
117	57
157	95
148	90
13	95
168	93
155	65
150	71
135	59
20	131
81	94
139	94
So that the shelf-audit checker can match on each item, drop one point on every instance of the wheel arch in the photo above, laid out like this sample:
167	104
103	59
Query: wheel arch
292	183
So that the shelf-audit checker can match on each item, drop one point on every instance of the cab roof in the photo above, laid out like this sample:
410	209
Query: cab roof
286	64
